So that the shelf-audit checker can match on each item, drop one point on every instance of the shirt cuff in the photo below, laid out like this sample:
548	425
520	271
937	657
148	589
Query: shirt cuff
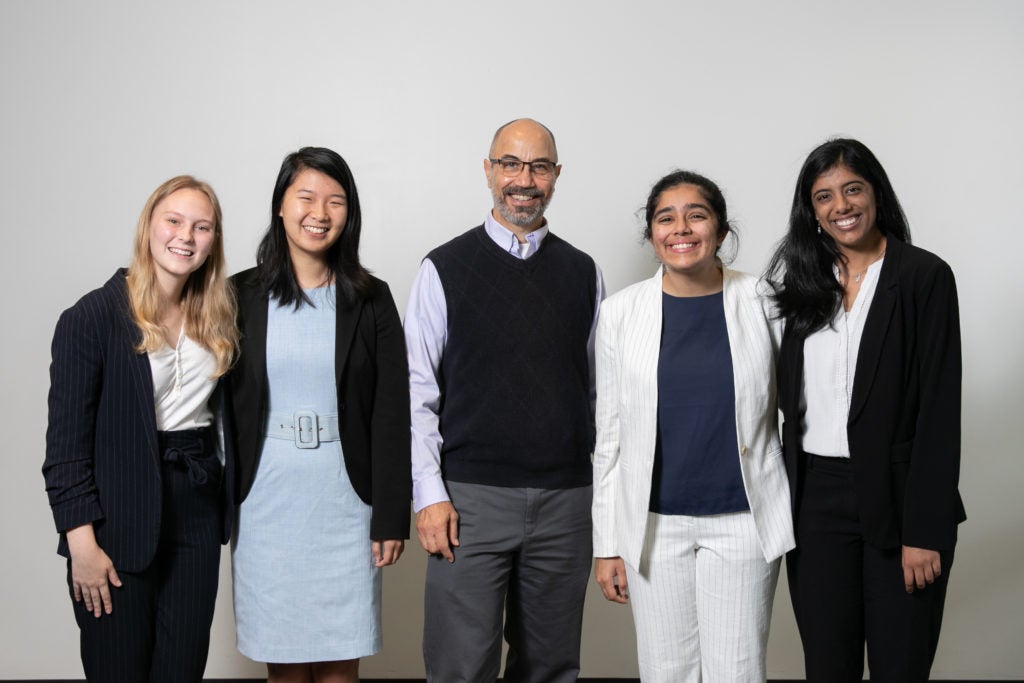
427	492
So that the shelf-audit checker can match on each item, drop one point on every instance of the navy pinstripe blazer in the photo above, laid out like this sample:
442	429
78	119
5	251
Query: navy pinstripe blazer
102	461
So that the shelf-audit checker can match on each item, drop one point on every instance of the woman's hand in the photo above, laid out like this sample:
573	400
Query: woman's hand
387	552
610	573
920	567
92	571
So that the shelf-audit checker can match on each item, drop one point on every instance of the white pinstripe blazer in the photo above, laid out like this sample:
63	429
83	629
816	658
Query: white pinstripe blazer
628	344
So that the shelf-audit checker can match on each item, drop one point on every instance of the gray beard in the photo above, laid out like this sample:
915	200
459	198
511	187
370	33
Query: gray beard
520	217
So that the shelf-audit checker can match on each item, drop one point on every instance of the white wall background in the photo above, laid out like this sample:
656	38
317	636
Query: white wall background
102	101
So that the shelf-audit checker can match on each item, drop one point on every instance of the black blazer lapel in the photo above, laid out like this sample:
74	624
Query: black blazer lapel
875	328
141	374
254	308
247	381
790	372
142	379
346	320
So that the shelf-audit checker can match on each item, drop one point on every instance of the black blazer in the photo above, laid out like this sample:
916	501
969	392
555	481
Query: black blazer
904	423
102	460
372	375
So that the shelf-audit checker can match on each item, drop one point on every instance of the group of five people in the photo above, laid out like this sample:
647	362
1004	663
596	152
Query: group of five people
547	426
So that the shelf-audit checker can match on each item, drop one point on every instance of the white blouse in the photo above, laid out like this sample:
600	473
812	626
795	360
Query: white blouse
182	384
830	361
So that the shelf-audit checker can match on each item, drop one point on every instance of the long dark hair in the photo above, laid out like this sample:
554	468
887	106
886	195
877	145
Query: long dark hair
273	263
807	293
708	189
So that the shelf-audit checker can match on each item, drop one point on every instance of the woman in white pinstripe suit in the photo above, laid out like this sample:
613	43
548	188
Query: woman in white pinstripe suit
691	504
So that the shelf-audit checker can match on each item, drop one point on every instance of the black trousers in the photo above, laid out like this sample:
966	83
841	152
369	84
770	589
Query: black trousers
846	592
159	630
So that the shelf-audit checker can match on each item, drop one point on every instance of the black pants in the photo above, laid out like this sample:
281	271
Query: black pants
159	630
846	592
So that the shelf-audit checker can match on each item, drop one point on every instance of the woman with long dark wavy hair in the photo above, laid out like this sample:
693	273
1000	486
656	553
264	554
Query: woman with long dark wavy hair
869	386
320	401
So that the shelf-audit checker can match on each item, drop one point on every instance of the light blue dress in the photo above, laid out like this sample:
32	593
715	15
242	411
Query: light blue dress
305	585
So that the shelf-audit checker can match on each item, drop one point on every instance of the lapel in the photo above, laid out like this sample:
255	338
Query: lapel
647	328
346	320
876	326
733	301
749	344
139	373
642	327
790	371
254	310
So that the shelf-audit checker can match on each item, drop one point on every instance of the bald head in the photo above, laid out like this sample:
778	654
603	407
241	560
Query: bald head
525	129
521	195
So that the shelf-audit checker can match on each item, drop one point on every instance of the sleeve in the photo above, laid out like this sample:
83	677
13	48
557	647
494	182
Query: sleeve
606	449
76	373
426	328
592	339
226	453
389	424
776	324
932	506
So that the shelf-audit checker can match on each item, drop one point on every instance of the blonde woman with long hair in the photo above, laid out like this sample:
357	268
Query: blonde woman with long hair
135	482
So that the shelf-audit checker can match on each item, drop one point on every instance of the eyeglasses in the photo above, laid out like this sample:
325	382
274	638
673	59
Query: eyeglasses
512	167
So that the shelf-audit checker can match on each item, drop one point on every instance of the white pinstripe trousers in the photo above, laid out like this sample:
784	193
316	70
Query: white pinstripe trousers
702	600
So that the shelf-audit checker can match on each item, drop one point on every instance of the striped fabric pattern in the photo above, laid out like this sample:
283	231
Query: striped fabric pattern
102	464
628	344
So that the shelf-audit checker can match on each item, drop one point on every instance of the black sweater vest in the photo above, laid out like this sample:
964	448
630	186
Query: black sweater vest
514	375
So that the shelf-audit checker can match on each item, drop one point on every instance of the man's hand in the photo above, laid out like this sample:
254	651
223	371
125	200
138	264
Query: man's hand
437	526
610	573
920	567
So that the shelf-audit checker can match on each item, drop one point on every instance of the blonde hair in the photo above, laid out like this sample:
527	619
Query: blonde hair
208	302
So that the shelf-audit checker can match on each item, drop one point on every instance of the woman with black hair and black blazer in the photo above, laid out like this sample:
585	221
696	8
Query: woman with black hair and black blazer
869	386
320	401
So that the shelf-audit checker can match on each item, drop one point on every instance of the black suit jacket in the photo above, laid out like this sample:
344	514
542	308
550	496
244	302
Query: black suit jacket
904	423
372	376
102	460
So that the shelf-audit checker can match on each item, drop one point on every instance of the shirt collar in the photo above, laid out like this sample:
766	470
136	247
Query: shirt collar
506	239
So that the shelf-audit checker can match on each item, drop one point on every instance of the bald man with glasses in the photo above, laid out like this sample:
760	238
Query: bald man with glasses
500	333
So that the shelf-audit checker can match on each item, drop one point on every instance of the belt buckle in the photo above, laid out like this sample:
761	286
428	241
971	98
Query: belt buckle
306	426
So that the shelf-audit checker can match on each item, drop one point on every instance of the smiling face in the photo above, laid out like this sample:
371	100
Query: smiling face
182	230
844	204
520	200
313	210
686	234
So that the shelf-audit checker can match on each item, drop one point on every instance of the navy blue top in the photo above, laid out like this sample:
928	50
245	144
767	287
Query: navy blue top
696	463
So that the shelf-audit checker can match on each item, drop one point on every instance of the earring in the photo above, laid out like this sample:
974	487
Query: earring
819	227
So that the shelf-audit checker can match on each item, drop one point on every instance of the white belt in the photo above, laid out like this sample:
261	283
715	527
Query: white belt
304	427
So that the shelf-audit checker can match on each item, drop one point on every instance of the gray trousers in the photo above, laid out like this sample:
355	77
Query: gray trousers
524	551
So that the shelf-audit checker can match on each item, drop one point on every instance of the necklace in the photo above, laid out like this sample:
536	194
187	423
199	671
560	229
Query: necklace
857	277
